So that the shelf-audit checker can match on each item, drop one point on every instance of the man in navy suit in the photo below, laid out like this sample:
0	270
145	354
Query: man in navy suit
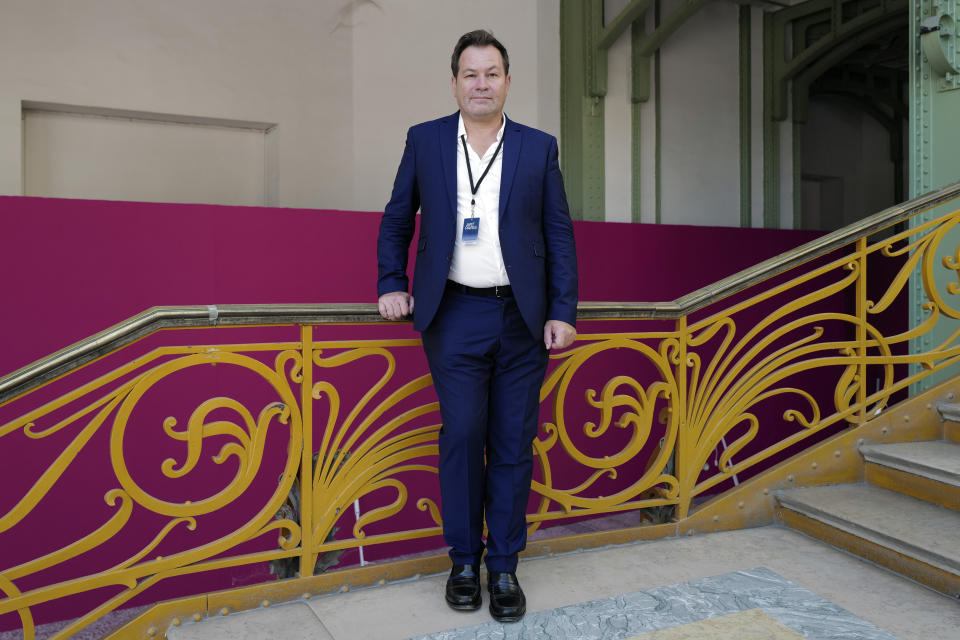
495	286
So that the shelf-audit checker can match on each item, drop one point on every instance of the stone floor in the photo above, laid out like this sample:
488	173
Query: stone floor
690	609
770	583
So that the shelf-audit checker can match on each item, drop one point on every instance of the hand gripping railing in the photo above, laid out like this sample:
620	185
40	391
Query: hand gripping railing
639	419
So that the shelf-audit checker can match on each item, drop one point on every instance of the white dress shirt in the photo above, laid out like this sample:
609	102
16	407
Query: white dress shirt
479	264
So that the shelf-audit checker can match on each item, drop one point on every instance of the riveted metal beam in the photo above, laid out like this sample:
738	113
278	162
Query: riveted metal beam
624	19
841	34
796	148
746	122
584	44
804	64
639	63
640	79
595	55
581	108
658	106
673	22
841	50
772	42
647	45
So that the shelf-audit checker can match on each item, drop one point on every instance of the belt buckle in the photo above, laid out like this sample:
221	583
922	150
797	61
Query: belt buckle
496	291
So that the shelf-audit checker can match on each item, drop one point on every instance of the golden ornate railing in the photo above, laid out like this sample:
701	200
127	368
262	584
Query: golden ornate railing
740	373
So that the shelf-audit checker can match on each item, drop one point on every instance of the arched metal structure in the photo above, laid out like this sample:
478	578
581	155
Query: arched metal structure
801	43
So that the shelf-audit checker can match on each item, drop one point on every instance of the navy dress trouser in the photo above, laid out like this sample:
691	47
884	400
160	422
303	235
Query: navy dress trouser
487	369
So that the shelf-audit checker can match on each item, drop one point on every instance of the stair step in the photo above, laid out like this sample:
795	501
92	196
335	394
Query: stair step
912	537
950	414
938	460
929	471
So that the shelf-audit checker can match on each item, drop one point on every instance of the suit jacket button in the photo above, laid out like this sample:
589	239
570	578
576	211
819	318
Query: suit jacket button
449	257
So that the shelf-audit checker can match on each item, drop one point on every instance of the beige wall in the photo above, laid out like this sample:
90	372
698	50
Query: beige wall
342	79
70	155
700	118
238	60
401	71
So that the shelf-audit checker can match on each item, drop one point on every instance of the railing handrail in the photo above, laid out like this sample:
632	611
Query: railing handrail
199	316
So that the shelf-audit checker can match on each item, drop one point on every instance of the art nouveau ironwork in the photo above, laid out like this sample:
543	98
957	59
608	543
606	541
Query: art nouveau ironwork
659	411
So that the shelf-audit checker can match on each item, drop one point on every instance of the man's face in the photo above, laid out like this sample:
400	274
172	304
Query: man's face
481	85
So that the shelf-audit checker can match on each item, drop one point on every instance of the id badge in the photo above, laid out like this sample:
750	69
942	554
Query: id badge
471	230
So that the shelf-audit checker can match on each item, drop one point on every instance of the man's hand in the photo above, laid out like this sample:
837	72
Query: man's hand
558	334
395	305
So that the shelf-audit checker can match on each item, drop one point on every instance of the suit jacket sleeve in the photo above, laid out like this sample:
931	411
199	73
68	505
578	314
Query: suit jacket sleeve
397	225
561	250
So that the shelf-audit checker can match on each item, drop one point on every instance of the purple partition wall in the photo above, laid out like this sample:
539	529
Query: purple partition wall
72	268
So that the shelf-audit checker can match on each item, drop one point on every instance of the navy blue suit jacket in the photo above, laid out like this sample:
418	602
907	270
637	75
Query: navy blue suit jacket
536	235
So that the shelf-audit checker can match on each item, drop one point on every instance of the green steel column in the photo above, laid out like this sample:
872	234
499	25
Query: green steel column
657	105
746	103
639	94
582	87
771	129
934	162
796	146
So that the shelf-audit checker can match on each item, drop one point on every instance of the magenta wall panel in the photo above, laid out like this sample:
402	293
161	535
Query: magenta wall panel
72	268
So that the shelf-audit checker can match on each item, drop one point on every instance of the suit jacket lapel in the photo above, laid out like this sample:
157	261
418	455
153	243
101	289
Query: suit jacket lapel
512	138
448	157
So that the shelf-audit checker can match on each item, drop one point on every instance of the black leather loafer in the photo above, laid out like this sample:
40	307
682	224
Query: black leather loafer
507	602
463	587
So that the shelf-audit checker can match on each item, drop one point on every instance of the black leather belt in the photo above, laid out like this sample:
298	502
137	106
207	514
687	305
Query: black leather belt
503	291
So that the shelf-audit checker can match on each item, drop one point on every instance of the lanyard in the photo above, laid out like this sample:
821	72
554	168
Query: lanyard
466	156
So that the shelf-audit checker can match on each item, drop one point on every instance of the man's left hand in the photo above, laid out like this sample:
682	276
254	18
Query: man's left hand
558	334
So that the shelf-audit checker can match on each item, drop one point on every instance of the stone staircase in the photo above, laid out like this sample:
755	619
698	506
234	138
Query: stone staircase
905	516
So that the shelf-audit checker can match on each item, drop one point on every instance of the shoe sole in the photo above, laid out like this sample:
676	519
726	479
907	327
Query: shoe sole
507	618
465	607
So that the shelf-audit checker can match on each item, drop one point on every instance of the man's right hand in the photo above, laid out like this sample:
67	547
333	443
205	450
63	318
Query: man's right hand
395	305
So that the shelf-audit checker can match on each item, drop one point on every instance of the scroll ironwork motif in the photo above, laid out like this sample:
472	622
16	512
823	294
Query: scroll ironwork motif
635	420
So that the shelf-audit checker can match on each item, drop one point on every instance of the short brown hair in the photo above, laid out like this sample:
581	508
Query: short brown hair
478	38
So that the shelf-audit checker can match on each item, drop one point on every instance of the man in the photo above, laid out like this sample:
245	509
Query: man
495	286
